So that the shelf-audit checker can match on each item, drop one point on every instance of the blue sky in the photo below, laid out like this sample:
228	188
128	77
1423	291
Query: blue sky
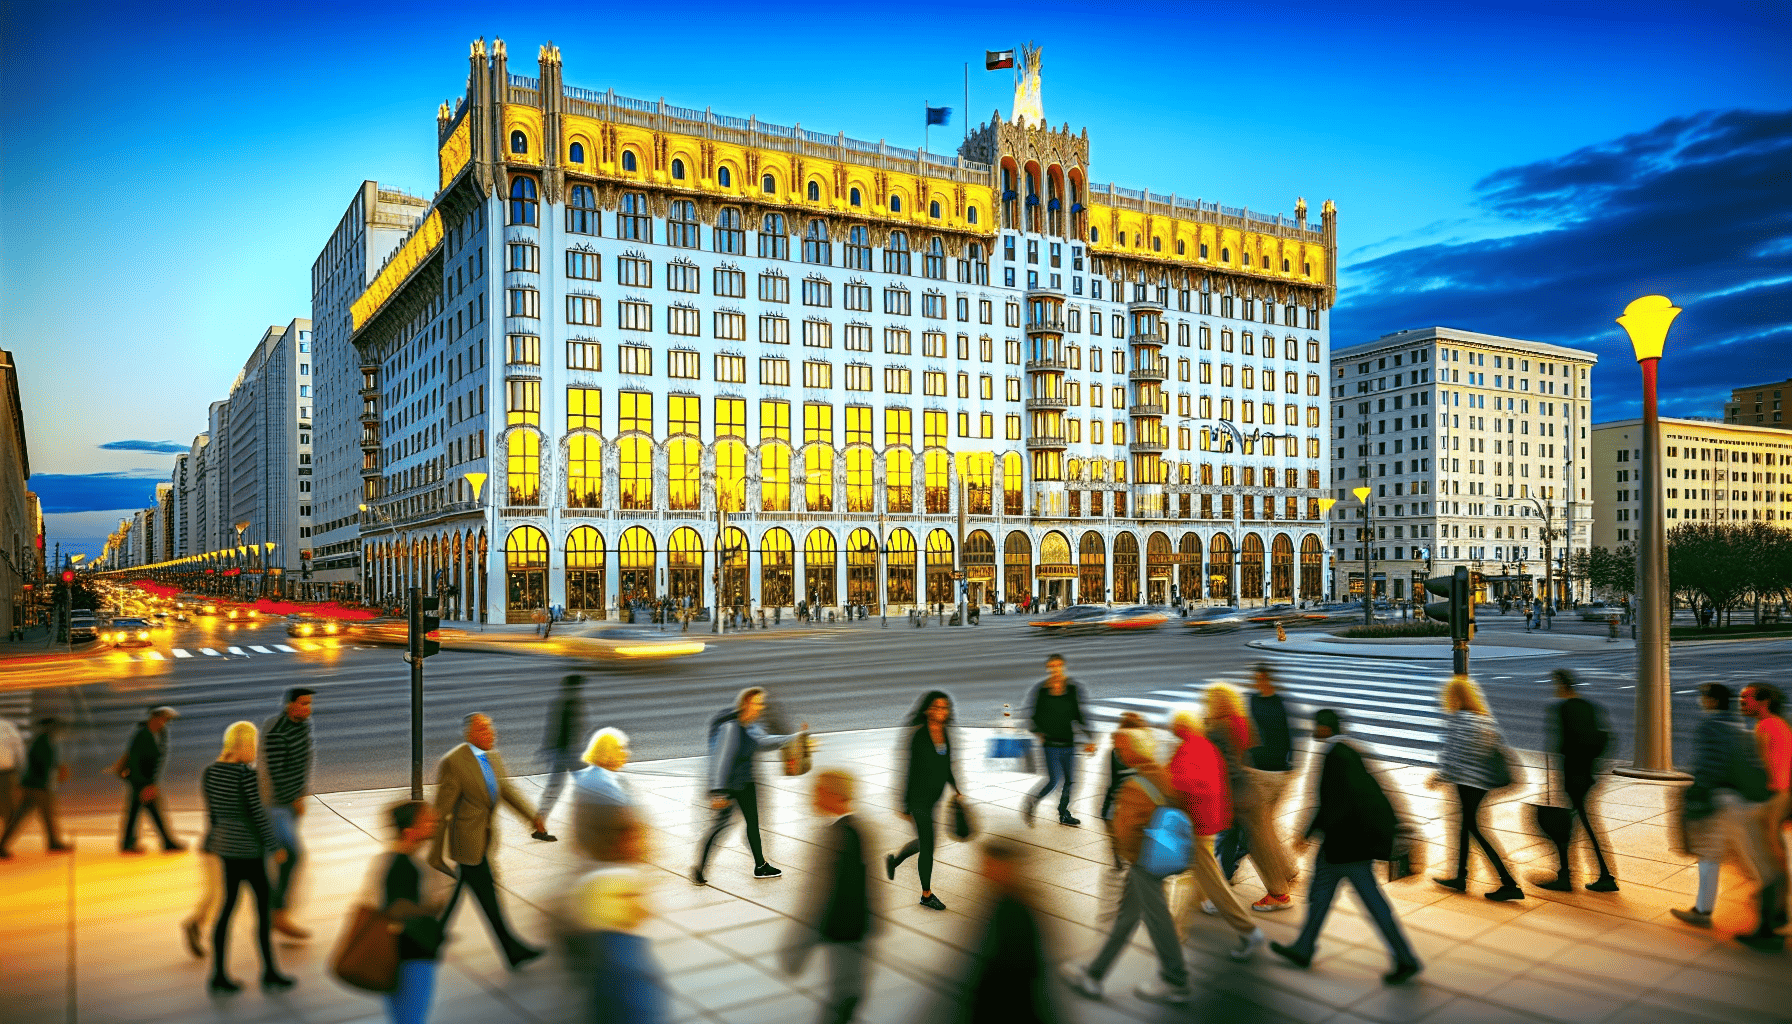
1526	168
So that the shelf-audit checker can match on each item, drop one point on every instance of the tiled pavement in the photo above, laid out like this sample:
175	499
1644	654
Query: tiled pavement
101	930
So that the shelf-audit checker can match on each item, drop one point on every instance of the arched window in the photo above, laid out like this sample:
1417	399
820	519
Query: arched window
522	469
1013	485
895	204
585	571
584	470
525	572
970	214
941	562
853	197
677	169
776	562
581	211
684	566
1157	243
768	185
1181	247
818	568
519	143
639	559
1284	266
1094	234
974	268
773	245
814	192
575	154
1092	569
684	468
724	177
936	465
681	224
899	562
934	263
899	477
933	209
816	248
858	248
633	220
728	236
818	477
522	200
977	468
859	493
774	478
1203	250
1225	255
731	476
896	256
628	160
636	456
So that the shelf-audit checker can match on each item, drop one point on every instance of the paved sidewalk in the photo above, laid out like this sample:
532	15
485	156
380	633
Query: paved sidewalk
104	928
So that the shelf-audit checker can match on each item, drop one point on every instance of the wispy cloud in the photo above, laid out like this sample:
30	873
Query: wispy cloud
160	447
96	492
1694	208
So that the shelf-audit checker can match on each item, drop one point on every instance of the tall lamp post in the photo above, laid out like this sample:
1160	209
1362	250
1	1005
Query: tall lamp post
1325	516
1362	495
1549	540
1646	320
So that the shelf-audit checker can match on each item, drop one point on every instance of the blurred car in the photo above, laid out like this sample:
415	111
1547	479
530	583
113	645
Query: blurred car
580	640
1078	618
1266	617
82	626
1215	620
207	608
1136	617
311	625
1599	611
1333	613
242	614
126	633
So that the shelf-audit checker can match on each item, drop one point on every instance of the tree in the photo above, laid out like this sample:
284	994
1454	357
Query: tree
1713	561
1609	572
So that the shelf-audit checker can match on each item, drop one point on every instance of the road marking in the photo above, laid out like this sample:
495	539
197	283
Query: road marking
154	656
306	646
180	652
283	647
238	651
259	650
209	652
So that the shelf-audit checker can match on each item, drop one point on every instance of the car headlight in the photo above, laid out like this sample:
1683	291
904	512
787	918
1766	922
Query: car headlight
332	628
304	630
143	634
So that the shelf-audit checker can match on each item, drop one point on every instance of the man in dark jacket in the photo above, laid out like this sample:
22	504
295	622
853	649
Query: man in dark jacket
734	738
1274	752
43	771
1056	711
1008	980
839	910
1579	739
1359	825
144	760
563	744
286	755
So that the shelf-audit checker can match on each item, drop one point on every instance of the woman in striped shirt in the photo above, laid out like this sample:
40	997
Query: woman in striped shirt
242	836
1471	742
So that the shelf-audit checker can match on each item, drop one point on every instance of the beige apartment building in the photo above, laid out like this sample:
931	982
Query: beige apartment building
1762	405
1712	472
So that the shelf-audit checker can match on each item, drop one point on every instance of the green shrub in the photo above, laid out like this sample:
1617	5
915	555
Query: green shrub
1392	629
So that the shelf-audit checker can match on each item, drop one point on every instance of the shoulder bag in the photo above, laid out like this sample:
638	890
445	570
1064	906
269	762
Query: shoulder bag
367	957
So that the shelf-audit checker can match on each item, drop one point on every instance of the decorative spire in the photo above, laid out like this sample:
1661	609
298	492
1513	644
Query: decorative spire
497	47
1300	209
478	47
1028	108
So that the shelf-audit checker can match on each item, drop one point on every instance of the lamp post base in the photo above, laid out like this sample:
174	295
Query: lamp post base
1651	775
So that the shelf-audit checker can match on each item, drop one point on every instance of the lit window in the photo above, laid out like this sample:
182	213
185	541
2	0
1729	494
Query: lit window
724	177
677	169
575	154
768	185
628	160
519	143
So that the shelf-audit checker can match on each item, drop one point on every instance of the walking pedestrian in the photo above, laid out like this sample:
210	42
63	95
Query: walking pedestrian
735	736
601	784
559	744
12	759
287	758
1725	810
1472	755
144	758
1773	738
1056	712
1230	731
1148	788
622	980
928	772
1008	979
241	833
1358	826
1579	739
44	771
405	890
1198	772
1273	755
838	916
470	781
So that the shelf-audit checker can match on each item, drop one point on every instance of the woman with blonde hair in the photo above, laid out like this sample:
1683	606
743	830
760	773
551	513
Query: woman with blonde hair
241	835
1228	727
1474	762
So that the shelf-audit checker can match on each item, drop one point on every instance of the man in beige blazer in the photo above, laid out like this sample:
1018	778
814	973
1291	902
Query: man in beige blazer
470	779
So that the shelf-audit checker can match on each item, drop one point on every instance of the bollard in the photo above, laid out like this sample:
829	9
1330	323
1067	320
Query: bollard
1281	634
1611	624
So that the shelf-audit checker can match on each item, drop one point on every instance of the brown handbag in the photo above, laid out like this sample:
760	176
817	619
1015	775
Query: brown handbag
367	958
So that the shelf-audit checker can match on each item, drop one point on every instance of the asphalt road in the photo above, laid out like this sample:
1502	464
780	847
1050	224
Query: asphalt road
836	678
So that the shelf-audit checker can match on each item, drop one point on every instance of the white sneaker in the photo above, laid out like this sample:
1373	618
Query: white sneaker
1208	907
1249	944
1077	977
1156	990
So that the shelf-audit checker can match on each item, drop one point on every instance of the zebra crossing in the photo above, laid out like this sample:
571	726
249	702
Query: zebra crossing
15	707
1390	706
227	651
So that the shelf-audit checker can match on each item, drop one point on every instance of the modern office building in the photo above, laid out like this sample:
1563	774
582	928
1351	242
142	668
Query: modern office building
628	337
1474	450
1762	405
1711	472
21	532
267	505
376	221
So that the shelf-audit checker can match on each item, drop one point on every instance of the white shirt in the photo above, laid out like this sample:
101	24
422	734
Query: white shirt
12	747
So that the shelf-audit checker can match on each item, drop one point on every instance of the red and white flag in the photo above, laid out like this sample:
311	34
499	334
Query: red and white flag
993	59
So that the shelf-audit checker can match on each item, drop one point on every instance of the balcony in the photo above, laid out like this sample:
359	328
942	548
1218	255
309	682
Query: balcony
1136	411
1159	372
1051	402
372	392
1144	446
529	371
1056	364
1048	294
1047	441
369	472
1054	325
1145	306
1148	340
370	415
370	442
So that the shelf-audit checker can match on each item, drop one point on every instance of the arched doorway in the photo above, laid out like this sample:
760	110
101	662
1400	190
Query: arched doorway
899	586
525	573
1188	568
1312	568
1092	559
1160	565
1250	566
1017	566
861	568
1219	567
585	572
1057	568
777	564
684	568
940	564
1126	568
640	557
818	569
979	565
734	557
1281	568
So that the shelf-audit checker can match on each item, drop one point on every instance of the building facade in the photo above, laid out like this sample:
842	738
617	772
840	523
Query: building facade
21	529
1711	472
1762	405
376	221
628	336
1474	448
267	504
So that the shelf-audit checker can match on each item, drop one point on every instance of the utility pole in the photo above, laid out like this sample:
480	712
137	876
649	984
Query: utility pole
964	583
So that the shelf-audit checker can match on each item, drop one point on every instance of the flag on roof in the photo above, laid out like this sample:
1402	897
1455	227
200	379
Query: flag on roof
993	59
939	115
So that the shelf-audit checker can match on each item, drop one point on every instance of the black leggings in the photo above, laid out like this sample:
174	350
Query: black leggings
238	870
1470	798
747	799
922	844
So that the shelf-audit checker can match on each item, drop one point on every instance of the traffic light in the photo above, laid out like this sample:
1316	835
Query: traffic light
68	576
424	621
1457	607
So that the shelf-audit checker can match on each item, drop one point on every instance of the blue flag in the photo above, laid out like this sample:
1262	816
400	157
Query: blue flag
939	115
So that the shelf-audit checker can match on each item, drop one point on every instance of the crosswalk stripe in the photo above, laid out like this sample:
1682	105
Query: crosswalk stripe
154	656
238	651
258	649
180	652
288	650
210	653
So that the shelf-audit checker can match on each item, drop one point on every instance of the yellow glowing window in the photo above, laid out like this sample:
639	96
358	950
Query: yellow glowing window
584	409
818	424
774	420
731	417
684	415
636	412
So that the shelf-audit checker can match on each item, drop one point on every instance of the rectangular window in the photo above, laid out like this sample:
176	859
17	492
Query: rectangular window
818	334
632	272
1013	389
818	423
1013	427
583	310
899	428
818	375
522	350
637	359
773	370
524	302
731	369
774	330
896	380
683	277
682	363
933	345
584	409
774	288
858	297
933	305
730	283
933	428
964	385
636	412
684	415
858	377
636	316
731	326
582	266
817	292
896	301
731	416
964	424
524	257
858	337
522	401
896	341
684	320
774	418
584	355
933	382
1011	350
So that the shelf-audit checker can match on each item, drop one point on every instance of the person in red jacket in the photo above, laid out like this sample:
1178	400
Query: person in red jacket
1199	773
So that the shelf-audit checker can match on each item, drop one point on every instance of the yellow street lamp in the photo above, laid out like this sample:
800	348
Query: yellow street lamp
477	480
1362	495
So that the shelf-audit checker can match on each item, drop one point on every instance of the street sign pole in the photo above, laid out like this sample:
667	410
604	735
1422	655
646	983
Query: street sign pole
415	657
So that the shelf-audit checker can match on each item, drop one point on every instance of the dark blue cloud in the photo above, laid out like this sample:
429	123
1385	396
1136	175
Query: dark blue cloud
95	492
160	447
1695	208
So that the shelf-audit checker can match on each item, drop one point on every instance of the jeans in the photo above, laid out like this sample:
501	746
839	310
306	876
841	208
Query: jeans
286	830
921	844
561	763
846	974
1361	874
238	870
409	1002
1143	899
1470	827
154	809
1577	788
747	799
1060	767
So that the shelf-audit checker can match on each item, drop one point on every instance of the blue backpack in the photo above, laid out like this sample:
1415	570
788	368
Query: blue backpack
1168	836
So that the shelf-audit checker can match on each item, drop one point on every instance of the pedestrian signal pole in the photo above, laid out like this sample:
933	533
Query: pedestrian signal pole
424	620
1458	609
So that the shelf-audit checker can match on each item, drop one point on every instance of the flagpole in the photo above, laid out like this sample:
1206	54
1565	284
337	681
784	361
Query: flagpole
927	128
967	100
